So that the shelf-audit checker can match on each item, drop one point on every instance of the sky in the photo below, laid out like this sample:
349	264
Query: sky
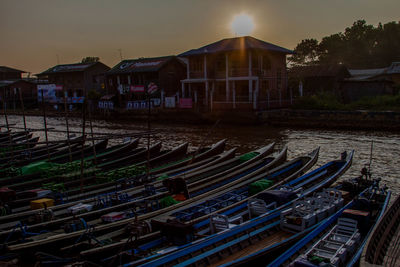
38	34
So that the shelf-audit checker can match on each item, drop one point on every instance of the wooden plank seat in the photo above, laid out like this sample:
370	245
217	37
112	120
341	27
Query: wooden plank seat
257	207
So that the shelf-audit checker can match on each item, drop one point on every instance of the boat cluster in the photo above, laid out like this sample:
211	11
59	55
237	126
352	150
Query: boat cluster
71	203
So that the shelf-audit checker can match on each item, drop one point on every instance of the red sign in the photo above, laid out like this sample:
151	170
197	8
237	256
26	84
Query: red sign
152	88
137	88
185	103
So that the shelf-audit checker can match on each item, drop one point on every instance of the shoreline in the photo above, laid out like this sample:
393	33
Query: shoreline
361	120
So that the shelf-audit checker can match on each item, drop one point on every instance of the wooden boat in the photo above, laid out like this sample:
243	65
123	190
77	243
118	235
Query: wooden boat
24	197
340	239
259	222
12	136
377	250
215	149
232	195
60	237
136	192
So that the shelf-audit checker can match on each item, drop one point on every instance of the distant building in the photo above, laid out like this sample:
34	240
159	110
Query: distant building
311	80
75	79
10	90
7	73
130	78
236	73
371	82
12	83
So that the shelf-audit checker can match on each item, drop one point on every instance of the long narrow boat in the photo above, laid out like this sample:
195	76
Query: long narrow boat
340	239
131	193
232	195
60	237
378	249
215	149
260	219
24	197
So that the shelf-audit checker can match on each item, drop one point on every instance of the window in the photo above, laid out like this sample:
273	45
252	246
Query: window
266	63
279	78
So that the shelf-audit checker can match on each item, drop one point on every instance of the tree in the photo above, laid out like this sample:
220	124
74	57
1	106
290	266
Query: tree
90	59
306	53
359	46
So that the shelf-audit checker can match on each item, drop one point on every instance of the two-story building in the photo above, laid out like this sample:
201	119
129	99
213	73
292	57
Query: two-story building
74	79
236	73
130	78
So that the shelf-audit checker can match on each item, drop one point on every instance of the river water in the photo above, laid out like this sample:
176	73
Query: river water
385	148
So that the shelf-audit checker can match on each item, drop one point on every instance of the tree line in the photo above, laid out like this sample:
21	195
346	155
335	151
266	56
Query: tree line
359	46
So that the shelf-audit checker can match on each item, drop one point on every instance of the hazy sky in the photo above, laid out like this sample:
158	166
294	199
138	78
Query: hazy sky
35	32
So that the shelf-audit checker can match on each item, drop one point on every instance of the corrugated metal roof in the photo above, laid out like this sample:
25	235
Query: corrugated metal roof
237	43
8	69
318	71
69	68
141	65
364	74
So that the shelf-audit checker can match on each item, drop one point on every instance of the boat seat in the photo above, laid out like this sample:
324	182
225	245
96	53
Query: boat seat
219	222
258	207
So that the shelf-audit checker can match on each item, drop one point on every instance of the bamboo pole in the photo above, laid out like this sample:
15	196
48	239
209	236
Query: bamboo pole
8	126
83	144
24	119
67	124
45	125
91	132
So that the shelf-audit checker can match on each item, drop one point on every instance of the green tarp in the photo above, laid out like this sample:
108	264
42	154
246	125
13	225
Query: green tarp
259	186
38	167
247	156
167	201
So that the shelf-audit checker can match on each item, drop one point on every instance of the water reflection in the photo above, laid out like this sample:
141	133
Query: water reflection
385	157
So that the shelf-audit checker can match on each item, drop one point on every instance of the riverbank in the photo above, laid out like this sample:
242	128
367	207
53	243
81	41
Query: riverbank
288	118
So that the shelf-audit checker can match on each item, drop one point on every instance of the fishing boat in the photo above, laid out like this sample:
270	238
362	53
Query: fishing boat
378	249
340	239
49	241
58	210
221	198
255	221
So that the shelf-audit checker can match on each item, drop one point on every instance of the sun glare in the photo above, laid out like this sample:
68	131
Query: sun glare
242	25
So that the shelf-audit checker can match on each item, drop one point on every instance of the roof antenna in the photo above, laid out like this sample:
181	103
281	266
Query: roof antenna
120	53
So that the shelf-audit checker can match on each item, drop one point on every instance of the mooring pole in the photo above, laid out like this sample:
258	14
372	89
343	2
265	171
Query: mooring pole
23	116
91	133
67	124
83	143
8	125
148	134
45	126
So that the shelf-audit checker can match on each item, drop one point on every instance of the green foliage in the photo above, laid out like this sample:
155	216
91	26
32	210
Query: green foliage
94	95
90	59
359	46
321	101
384	102
326	101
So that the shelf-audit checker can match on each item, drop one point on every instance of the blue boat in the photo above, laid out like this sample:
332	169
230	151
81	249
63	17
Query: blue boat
340	239
249	223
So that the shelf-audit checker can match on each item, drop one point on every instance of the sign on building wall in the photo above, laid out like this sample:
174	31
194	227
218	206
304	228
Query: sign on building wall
170	102
137	88
49	92
143	104
185	103
106	105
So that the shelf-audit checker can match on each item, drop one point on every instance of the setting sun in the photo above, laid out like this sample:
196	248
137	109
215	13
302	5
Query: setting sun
242	25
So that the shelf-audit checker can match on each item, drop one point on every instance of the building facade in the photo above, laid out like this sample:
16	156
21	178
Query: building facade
130	79
236	73
75	80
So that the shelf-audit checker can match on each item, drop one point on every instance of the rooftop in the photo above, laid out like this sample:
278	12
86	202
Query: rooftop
141	64
75	67
8	69
237	43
